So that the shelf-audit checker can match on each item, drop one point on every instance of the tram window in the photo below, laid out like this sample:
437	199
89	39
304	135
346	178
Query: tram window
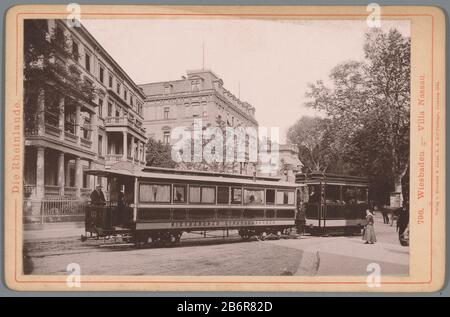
270	213
154	193
361	195
194	194
333	193
199	194
208	195
285	213
223	195
285	197
314	193
253	196
236	195
353	195
179	193
270	196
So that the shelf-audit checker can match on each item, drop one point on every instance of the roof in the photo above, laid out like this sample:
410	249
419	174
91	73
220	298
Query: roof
179	175
330	177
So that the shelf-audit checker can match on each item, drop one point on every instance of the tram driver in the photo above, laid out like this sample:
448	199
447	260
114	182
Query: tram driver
97	196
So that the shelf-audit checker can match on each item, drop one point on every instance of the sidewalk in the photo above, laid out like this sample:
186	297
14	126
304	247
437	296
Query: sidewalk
37	231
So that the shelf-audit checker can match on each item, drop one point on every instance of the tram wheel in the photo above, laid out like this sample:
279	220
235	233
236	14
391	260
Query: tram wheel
245	234
262	236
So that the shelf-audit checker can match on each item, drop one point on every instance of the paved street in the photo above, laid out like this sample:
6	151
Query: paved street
50	248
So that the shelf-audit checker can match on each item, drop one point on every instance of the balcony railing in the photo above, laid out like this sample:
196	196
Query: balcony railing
29	190
52	191
113	121
86	142
53	130
85	193
124	121
70	192
113	158
51	118
70	136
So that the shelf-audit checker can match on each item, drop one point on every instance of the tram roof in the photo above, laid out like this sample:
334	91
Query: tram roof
183	175
331	178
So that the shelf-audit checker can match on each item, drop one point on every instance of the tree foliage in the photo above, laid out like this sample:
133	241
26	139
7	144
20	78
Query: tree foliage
159	154
367	109
49	65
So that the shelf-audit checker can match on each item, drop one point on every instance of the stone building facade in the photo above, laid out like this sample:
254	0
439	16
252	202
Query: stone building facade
84	135
199	95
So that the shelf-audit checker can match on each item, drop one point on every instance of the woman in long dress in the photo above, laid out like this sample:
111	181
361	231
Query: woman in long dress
369	231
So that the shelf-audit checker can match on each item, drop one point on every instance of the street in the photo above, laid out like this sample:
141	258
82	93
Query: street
49	248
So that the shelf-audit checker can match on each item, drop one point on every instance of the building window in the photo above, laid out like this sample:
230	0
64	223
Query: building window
166	138
87	62
118	88
75	51
102	74
109	109
125	94
110	81
196	110
100	108
166	113
195	85
100	145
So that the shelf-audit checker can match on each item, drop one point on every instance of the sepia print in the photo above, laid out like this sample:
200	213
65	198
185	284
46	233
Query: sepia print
225	148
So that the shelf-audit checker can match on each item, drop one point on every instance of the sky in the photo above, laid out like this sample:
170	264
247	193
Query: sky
267	63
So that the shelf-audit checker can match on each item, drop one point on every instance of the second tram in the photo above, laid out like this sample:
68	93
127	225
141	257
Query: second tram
333	203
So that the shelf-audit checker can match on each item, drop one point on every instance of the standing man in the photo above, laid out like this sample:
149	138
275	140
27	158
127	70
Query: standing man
97	196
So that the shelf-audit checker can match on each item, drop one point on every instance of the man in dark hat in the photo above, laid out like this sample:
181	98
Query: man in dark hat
97	196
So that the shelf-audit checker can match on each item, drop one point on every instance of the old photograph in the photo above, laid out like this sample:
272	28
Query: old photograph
225	146
110	105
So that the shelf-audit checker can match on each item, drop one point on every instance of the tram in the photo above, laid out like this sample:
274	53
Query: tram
333	203
160	204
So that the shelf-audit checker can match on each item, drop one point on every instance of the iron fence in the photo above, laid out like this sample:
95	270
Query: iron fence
54	210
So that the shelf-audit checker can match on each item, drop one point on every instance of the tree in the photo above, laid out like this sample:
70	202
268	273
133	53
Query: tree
214	166
159	154
49	69
310	135
368	105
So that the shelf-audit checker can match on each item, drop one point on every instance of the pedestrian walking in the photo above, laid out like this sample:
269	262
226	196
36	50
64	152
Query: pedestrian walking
385	214
369	231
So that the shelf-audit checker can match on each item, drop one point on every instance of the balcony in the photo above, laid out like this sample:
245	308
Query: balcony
53	130
124	122
113	158
51	191
69	136
86	143
70	192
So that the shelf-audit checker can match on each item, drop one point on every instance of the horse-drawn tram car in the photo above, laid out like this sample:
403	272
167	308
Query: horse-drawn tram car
156	205
334	203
